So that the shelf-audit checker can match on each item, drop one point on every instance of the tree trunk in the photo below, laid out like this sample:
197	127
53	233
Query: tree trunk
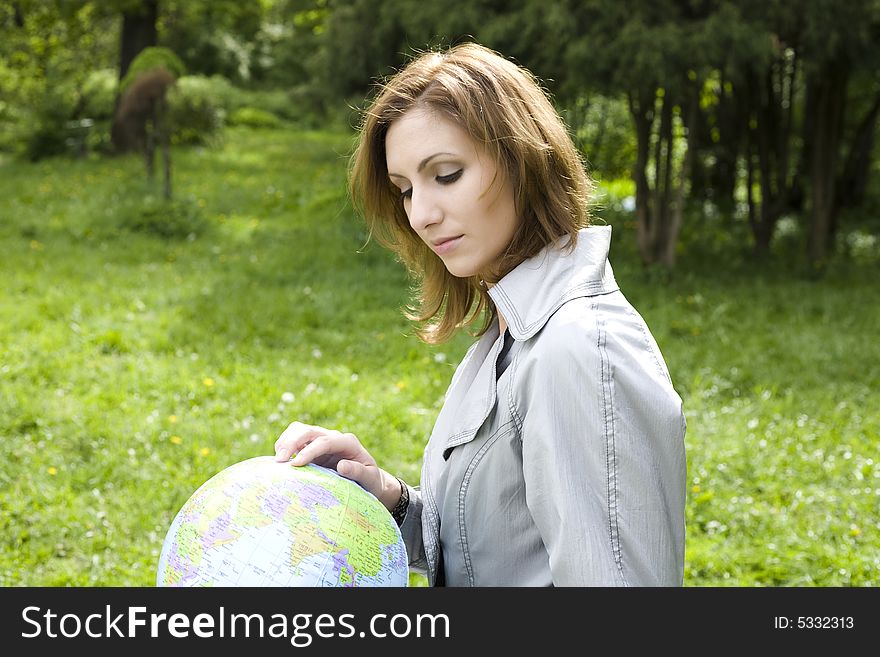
728	147
165	139
641	105
138	32
151	141
769	129
166	158
829	93
676	213
853	182
149	153
662	174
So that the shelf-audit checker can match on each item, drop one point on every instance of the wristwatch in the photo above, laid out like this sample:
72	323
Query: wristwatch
399	510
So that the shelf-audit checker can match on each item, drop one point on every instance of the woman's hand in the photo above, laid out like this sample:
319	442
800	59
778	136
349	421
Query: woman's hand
342	452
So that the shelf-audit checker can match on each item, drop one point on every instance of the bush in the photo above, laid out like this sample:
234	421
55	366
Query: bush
175	219
277	101
98	95
860	246
45	130
196	109
222	92
254	118
149	59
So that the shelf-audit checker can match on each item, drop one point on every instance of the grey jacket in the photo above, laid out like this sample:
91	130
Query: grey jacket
558	456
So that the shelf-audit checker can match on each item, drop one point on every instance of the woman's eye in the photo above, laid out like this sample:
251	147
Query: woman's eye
407	193
451	178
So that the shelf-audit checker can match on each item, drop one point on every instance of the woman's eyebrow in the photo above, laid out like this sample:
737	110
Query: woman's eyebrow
422	164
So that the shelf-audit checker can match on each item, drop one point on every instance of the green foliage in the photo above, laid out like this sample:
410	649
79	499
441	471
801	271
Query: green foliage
861	247
221	37
68	119
602	129
150	59
277	101
254	118
98	94
49	124
196	109
180	218
45	60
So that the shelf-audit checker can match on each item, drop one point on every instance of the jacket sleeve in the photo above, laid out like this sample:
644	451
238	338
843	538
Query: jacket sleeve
411	530
602	434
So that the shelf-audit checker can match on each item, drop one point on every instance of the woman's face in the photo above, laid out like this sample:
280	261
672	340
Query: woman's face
446	183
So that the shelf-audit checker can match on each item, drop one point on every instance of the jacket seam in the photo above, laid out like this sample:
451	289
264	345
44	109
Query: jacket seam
511	398
429	515
643	329
462	496
611	475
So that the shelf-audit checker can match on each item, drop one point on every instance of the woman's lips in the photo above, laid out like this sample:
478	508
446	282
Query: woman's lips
446	245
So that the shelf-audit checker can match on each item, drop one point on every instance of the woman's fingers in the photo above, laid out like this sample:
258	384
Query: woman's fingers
316	447
370	477
342	452
294	438
323	446
329	448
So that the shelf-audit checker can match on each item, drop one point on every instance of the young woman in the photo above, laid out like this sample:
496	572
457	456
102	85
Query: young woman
558	456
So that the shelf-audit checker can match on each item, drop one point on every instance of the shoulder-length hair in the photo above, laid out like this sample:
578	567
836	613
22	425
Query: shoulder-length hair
504	108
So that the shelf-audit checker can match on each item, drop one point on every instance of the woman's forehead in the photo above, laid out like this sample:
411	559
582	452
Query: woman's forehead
420	134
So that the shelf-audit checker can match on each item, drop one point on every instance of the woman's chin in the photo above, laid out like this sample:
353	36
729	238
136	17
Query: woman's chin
460	272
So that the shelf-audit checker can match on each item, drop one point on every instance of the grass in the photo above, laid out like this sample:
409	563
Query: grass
136	362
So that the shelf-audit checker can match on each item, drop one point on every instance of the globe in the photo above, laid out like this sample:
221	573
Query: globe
264	523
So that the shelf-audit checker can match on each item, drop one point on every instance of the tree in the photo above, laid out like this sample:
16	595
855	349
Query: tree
47	52
606	50
137	33
840	44
142	115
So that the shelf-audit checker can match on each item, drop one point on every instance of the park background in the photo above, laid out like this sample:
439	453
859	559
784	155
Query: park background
158	327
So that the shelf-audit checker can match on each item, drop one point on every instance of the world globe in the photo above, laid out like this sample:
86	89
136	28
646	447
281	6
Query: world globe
264	523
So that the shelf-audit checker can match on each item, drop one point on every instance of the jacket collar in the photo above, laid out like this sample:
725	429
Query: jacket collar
536	288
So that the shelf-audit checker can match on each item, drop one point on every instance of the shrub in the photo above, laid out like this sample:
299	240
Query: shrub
45	129
254	118
860	246
175	219
222	92
196	110
276	101
149	59
98	95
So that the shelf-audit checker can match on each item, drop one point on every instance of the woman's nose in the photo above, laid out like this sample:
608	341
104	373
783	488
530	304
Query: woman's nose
423	210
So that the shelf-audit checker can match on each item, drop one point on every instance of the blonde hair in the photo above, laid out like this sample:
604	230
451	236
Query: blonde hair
503	107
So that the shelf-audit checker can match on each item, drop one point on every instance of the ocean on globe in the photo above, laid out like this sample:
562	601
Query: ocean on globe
264	523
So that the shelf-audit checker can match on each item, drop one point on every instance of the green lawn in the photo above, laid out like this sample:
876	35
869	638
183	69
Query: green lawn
134	366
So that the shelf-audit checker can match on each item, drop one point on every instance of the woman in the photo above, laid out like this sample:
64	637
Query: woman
558	456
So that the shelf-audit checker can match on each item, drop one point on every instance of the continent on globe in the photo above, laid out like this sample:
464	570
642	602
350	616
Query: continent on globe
264	523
